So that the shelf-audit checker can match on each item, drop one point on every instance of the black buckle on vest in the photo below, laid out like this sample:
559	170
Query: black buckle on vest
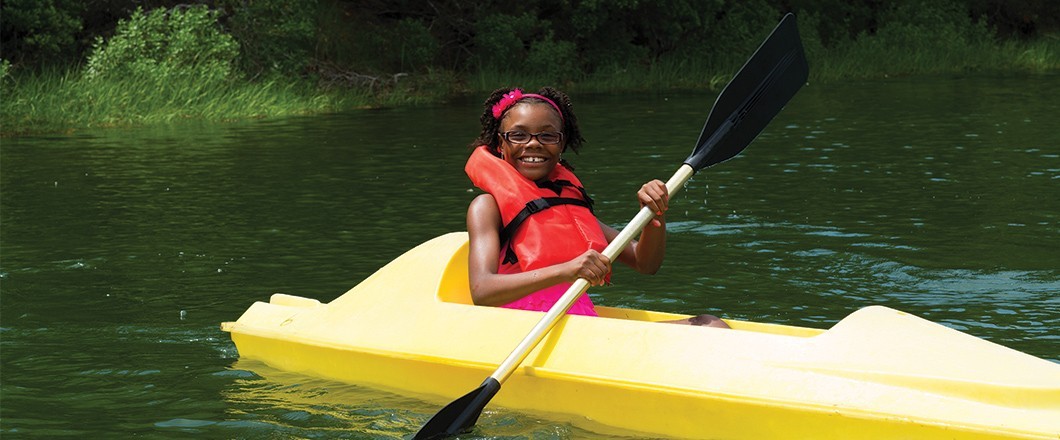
535	206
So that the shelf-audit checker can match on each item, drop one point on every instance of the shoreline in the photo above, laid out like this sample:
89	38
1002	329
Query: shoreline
64	101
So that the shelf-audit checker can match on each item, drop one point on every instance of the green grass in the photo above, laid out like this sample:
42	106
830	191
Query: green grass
62	100
55	100
680	74
873	58
675	73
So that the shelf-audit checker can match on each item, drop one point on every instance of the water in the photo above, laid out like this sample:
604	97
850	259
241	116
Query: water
123	249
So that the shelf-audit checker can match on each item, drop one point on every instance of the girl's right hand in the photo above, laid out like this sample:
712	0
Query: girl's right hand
655	196
591	265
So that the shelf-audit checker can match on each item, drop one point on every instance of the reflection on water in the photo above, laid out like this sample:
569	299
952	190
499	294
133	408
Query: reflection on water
263	400
123	249
300	406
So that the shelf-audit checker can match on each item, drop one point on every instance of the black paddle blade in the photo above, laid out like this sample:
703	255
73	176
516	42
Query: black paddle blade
460	415
762	87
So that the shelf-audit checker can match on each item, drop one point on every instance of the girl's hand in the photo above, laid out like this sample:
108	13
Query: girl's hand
654	195
591	265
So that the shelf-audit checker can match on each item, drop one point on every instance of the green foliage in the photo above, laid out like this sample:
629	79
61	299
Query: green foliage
810	31
165	45
58	101
414	48
1019	19
401	46
5	70
501	40
743	26
40	29
837	21
275	35
556	61
508	43
932	22
293	37
166	64
1040	56
378	47
603	38
916	36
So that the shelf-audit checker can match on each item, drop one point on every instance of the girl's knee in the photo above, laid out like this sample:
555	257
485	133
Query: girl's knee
707	321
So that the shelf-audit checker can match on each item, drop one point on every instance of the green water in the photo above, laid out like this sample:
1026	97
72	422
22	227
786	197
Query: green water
122	250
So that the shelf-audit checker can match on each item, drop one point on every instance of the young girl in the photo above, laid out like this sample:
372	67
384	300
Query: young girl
534	233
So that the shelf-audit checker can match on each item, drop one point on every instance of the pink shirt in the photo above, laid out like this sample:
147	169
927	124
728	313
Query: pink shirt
544	299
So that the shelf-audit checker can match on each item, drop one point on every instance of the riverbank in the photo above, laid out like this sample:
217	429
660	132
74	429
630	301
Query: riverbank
65	100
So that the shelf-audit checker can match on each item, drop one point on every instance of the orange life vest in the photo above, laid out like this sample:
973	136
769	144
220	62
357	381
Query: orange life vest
544	223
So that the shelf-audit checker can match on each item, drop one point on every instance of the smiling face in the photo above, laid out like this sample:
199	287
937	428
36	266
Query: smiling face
533	160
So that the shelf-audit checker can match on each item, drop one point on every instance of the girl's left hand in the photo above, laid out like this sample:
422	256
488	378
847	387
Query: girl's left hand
654	195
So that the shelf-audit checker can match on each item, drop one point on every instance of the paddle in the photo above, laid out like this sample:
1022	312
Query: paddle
761	88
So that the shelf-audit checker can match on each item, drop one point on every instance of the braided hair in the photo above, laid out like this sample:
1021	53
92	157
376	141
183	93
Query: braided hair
490	135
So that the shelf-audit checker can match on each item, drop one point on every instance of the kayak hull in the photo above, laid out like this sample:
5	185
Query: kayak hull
879	373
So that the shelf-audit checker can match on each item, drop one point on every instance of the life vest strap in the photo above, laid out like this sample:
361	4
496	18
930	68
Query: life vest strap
532	207
558	185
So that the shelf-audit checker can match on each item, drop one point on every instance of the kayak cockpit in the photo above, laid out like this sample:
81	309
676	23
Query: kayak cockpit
454	287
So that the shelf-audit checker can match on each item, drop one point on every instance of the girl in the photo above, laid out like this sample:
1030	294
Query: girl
534	233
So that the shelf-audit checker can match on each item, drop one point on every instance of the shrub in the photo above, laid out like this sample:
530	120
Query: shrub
605	31
743	27
810	30
166	44
554	60
5	69
414	47
274	35
501	40
40	30
942	24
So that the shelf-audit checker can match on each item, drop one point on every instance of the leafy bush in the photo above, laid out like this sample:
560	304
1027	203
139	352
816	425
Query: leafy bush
5	69
275	35
941	32
605	31
380	46
943	24
809	25
524	43
501	40
166	44
554	60
414	46
743	27
40	29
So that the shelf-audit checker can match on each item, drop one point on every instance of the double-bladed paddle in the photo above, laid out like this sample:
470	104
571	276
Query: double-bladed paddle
761	88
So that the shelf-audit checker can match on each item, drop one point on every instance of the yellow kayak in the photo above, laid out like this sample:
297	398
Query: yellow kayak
877	374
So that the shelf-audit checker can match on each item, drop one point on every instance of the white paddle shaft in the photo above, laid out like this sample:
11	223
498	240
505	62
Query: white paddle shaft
579	287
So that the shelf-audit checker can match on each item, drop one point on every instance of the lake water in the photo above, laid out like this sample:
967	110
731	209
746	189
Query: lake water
123	249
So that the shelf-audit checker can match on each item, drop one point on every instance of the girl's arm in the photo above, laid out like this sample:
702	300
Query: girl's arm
646	254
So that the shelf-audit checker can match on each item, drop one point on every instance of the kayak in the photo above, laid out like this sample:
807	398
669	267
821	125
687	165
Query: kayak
878	373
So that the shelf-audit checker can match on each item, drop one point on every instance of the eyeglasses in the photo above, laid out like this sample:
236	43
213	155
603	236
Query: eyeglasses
522	137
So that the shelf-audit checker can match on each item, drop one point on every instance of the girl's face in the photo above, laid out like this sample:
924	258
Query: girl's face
534	159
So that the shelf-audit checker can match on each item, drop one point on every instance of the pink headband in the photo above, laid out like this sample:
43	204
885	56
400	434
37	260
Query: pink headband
509	99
